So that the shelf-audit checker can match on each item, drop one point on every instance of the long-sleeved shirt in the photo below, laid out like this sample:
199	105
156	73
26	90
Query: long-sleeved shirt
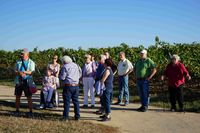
70	73
89	70
175	74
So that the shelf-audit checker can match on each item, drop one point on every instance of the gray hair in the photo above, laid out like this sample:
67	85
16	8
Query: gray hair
66	59
175	56
102	56
122	52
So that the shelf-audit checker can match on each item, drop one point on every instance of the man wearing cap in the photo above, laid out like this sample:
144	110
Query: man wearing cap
124	68
145	69
70	75
24	69
176	72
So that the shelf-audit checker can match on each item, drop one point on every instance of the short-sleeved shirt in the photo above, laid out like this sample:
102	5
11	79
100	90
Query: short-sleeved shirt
143	68
54	69
124	66
29	64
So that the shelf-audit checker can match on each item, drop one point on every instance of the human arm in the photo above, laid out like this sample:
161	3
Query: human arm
105	75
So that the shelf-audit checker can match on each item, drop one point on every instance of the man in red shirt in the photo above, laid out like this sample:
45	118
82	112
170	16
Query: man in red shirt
176	72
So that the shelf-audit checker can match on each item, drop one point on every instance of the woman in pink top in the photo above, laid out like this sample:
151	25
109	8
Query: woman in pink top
176	72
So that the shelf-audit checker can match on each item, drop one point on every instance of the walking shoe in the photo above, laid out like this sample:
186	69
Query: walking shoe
42	106
118	103
50	105
99	112
106	118
85	106
102	116
29	114
126	104
16	113
142	109
77	119
65	119
181	110
92	106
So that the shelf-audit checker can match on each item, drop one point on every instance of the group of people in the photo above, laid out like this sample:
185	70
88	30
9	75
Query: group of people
98	76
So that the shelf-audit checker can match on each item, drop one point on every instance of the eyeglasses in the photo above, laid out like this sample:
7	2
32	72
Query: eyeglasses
55	58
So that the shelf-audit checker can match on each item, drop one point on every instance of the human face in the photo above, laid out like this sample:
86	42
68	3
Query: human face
143	55
88	59
55	58
121	56
24	56
174	61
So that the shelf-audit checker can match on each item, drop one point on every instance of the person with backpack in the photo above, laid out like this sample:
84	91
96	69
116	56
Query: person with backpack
24	69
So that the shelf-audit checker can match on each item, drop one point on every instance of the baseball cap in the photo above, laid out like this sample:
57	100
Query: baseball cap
144	51
25	50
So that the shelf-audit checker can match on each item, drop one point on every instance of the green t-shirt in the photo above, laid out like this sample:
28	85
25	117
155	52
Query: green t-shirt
143	68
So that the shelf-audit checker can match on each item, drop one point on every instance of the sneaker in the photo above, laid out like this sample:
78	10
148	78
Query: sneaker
140	108
77	119
92	106
99	112
106	118
65	119
50	105
126	104
144	109
29	114
181	110
16	113
118	103
85	106
102	116
42	106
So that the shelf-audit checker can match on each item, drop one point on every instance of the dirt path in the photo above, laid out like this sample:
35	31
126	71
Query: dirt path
130	121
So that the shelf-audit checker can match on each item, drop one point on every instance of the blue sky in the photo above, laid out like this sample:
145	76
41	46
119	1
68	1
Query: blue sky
96	23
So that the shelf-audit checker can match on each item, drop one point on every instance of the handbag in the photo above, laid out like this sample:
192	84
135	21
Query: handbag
31	85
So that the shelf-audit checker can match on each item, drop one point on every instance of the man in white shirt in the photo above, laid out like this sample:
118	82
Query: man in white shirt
124	68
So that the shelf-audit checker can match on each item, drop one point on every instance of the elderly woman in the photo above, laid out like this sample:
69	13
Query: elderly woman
54	67
107	80
88	71
176	72
70	75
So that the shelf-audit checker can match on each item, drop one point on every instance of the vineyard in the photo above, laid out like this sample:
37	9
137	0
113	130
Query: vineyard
160	53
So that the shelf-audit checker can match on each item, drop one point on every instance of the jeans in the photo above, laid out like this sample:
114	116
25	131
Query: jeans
143	89
71	92
48	94
176	93
123	89
106	100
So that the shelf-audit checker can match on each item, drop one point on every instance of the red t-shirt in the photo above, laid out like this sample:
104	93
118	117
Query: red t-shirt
176	74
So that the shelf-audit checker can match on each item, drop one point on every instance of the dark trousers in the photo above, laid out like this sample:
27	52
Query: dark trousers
106	100
71	92
176	93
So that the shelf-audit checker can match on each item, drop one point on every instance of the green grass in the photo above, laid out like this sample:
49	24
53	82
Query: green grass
7	82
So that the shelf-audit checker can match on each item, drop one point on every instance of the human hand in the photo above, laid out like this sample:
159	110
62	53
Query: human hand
188	77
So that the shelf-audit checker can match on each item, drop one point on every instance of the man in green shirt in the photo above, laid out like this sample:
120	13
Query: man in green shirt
145	69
